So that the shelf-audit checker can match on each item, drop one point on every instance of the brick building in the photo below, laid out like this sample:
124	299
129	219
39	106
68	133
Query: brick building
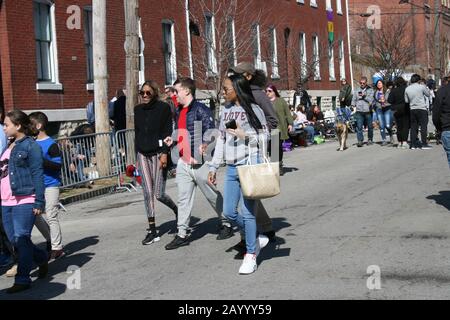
420	30
46	47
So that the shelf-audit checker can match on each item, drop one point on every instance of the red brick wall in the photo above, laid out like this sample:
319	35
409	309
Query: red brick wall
19	62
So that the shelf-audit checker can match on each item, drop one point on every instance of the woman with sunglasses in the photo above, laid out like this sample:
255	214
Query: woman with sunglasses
285	119
242	128
153	124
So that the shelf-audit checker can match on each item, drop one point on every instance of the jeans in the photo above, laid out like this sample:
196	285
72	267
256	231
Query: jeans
18	222
246	218
446	143
385	118
419	118
310	133
361	118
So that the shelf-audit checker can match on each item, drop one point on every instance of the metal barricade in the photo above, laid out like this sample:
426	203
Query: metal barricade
79	158
126	155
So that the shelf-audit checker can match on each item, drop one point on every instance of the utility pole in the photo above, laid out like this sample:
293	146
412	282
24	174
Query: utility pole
102	148
132	57
437	42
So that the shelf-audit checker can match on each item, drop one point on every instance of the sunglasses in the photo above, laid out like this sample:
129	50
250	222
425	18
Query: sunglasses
145	93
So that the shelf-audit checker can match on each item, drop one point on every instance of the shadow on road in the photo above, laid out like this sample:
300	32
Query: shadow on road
287	170
443	199
43	289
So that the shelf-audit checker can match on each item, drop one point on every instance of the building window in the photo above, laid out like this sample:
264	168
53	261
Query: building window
88	44
274	53
316	58
257	48
141	55
231	43
328	5
303	57
339	7
170	59
313	3
331	62
342	59
210	45
46	51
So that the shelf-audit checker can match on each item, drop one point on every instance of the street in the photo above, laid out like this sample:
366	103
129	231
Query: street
338	214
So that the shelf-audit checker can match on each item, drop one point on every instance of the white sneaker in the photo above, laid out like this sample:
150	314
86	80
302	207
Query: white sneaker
12	272
261	242
249	265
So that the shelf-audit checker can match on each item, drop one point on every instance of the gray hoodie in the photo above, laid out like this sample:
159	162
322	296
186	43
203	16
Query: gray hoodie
416	95
363	99
232	149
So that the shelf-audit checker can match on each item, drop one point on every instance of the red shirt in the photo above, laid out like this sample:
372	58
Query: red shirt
183	136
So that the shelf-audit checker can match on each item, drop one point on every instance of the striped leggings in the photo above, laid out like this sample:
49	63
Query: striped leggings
153	183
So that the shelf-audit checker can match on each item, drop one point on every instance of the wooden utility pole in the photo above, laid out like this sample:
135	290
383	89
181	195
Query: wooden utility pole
103	149
132	57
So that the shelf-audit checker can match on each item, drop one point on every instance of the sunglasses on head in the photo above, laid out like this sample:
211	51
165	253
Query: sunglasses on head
145	93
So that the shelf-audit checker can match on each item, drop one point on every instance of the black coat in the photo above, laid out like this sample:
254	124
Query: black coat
397	101
441	109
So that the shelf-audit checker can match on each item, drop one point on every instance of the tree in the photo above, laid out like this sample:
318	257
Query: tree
223	29
388	50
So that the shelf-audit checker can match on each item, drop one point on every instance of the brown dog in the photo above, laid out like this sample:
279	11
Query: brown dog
342	133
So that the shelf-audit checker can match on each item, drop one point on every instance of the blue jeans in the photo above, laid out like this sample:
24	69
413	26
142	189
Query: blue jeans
385	118
310	133
446	143
18	222
361	118
246	218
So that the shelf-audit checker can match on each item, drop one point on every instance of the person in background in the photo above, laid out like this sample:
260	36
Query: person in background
401	112
52	180
285	120
362	103
22	194
383	109
119	114
416	95
441	117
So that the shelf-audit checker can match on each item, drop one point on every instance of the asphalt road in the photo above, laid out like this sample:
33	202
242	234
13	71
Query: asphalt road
338	214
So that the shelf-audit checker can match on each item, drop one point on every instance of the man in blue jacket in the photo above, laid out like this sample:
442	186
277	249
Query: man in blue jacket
193	119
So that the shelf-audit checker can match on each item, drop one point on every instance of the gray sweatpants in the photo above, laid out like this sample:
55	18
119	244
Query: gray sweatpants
188	178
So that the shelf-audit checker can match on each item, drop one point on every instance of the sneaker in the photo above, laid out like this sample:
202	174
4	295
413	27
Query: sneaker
56	254
360	144
413	148
249	265
426	147
16	288
370	142
43	270
150	238
12	272
271	236
261	242
176	243
384	144
225	232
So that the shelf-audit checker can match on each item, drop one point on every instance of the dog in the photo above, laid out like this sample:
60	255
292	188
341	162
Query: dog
342	133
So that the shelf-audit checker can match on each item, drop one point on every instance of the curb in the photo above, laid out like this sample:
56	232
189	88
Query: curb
88	195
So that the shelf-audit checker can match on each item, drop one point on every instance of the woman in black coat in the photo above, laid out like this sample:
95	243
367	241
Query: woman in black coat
401	112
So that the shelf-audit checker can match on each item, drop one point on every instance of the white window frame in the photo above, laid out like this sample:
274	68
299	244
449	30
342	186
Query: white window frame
303	54
211	46
316	58
141	54
257	55
328	5
313	3
173	56
89	85
274	53
339	7
233	32
332	69
342	72
54	84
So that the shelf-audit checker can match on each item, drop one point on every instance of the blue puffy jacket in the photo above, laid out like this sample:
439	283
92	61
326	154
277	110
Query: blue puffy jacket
200	113
26	171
